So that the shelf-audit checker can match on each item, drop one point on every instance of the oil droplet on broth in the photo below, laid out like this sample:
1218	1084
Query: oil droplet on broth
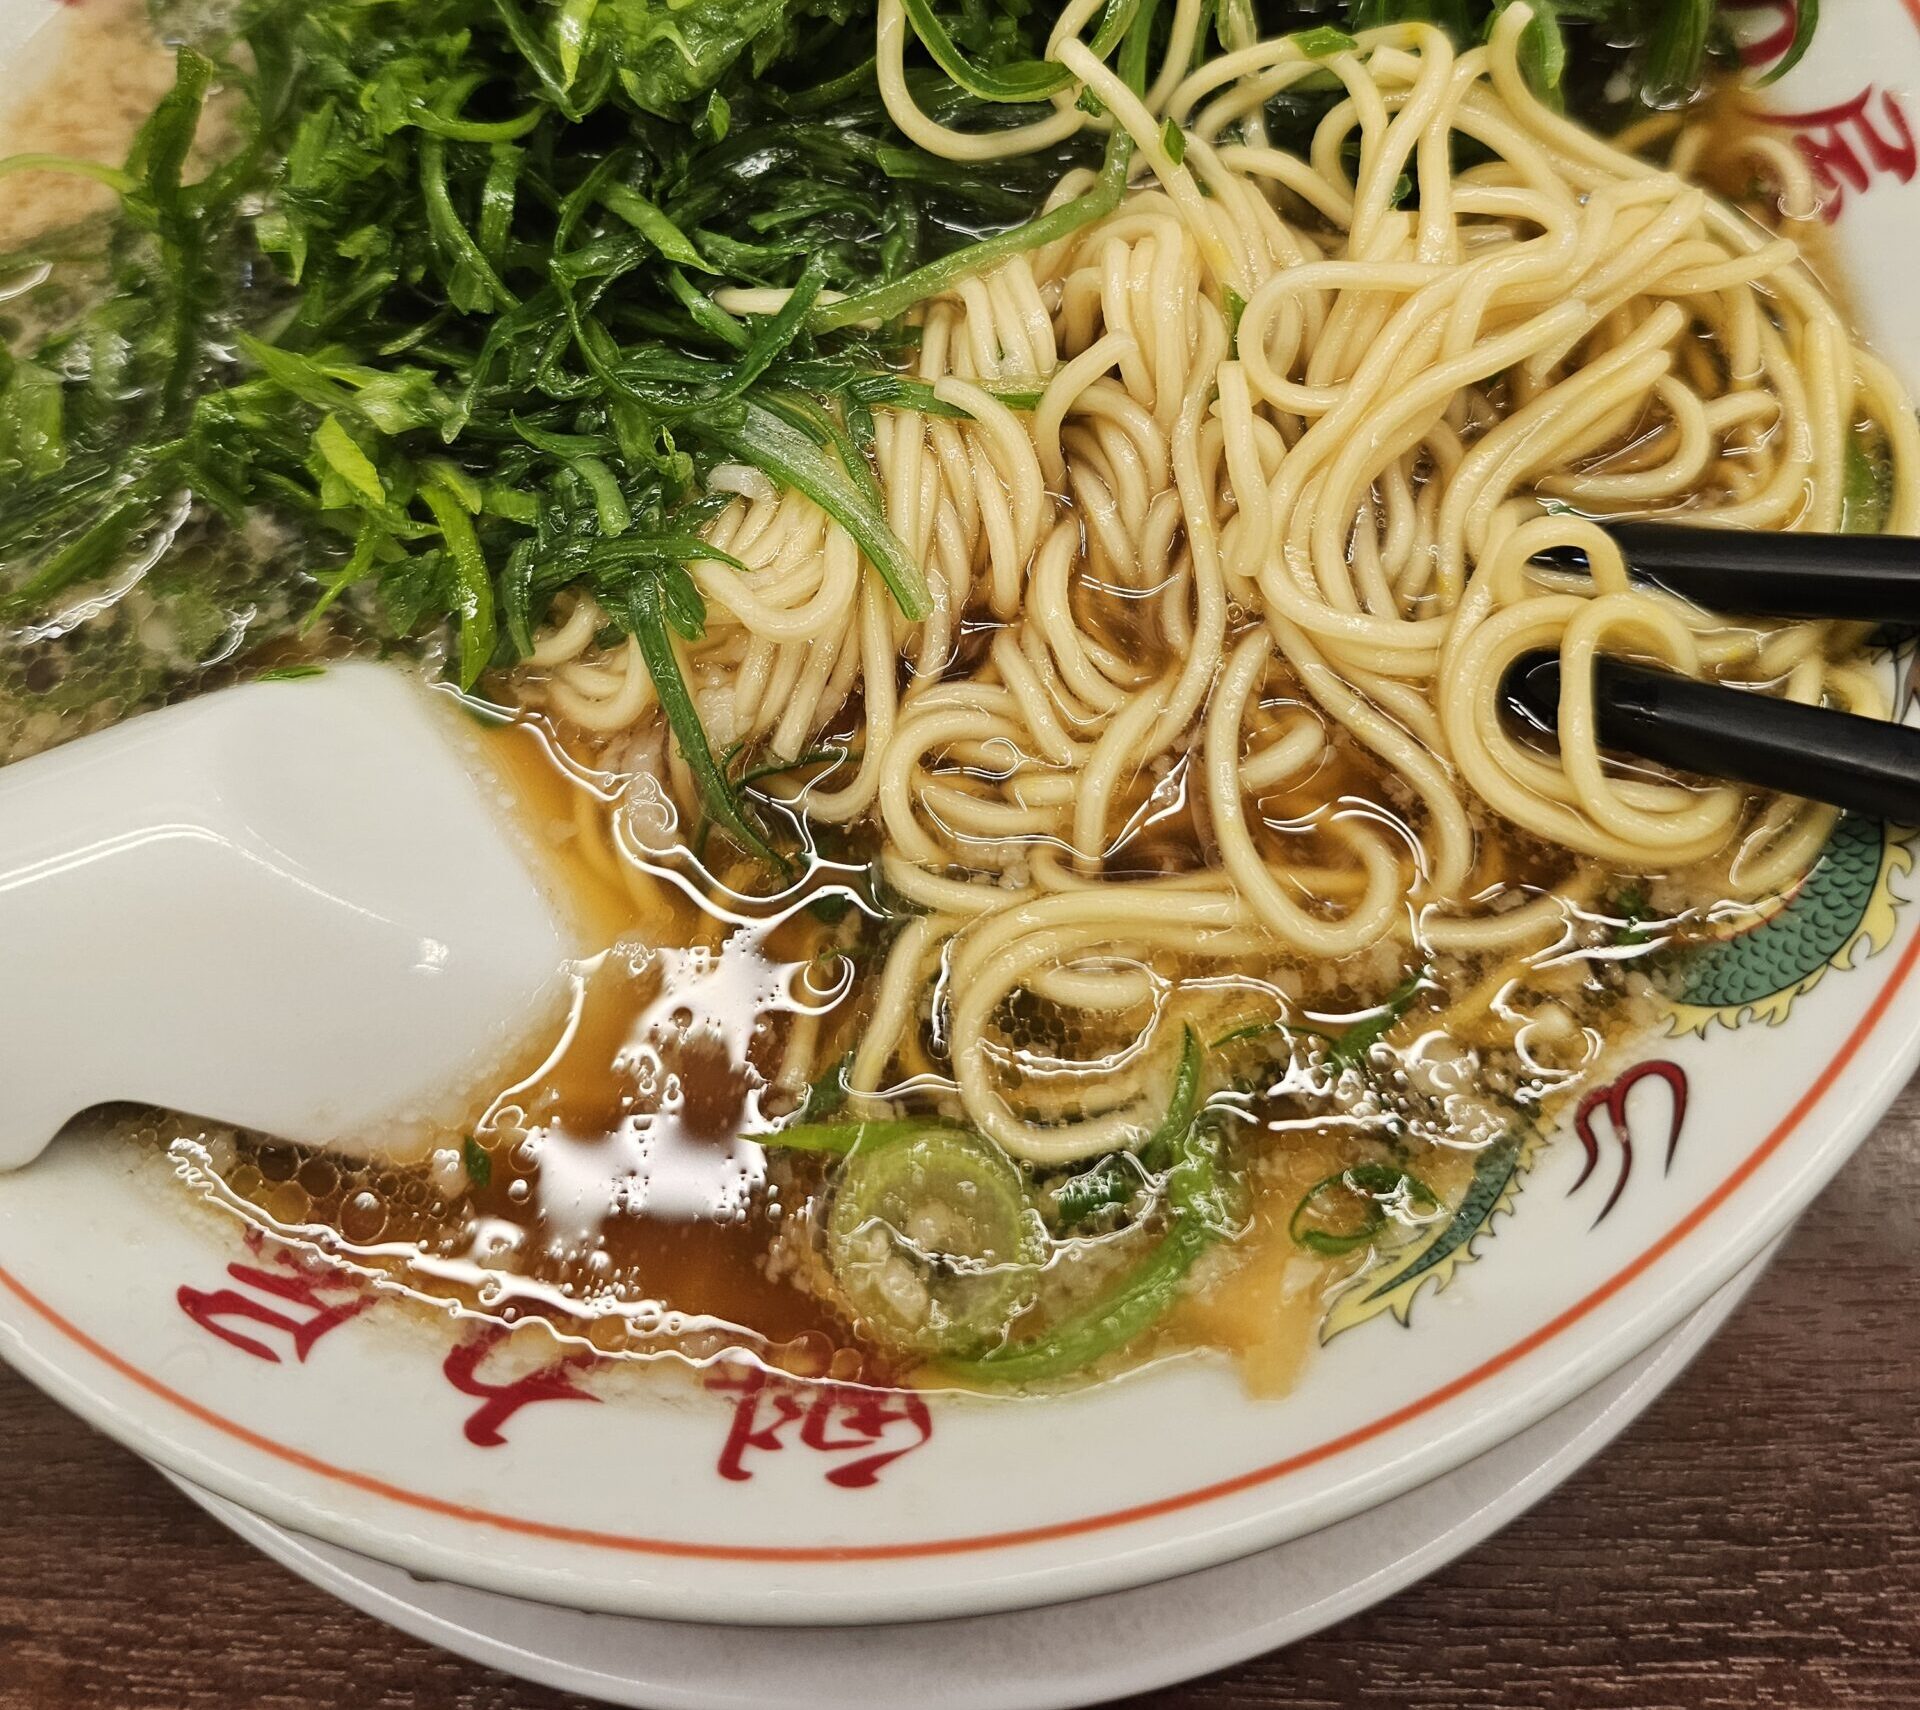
615	1185
616	1189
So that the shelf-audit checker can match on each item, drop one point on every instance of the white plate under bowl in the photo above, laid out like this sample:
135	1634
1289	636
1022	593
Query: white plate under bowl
1034	1659
367	1425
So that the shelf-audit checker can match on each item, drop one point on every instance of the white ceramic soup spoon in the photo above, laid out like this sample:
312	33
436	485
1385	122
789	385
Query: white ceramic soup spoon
295	906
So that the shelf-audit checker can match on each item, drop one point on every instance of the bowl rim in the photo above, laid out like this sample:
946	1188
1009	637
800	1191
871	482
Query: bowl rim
1856	1126
1511	1389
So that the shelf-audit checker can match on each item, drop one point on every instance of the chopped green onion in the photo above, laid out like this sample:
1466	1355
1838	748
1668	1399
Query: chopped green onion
1381	1189
1323	42
645	614
1198	1197
1866	492
764	440
1029	80
1119	1317
932	1240
846	1137
1114	1180
1353	1043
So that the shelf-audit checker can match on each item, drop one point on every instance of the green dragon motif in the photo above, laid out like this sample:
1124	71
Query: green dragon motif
1391	1285
1842	910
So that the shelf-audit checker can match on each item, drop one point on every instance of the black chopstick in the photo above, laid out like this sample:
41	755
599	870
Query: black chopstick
1873	578
1864	765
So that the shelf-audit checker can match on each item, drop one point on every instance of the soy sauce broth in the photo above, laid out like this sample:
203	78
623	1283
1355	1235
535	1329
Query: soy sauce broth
617	1191
611	1186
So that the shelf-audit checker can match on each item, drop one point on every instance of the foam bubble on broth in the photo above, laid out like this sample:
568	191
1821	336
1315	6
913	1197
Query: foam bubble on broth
612	1187
623	1188
617	1191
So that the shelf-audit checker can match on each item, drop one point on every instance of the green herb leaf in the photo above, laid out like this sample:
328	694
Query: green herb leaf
671	51
1675	49
1323	42
121	183
570	31
473	597
763	439
32	415
653	225
682	603
1806	21
1543	47
479	1163
825	1096
1030	80
883	302
345	458
646	616
1376	1191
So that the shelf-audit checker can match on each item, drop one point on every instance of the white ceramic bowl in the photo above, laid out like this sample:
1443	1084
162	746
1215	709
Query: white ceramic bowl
362	1423
1085	1652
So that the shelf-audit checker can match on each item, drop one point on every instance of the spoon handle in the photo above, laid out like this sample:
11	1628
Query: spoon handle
293	907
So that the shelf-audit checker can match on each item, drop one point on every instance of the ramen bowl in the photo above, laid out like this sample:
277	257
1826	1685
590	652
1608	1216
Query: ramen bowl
726	1492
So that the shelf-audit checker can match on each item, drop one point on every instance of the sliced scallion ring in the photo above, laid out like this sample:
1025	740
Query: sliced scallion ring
1374	1191
933	1241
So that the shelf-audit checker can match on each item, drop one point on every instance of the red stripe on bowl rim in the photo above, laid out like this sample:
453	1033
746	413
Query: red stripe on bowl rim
1271	1472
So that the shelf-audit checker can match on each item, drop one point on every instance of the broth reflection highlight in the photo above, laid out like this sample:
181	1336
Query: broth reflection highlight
1066	891
675	1178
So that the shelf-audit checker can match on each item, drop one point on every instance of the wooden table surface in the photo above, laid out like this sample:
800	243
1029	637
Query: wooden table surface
1752	1542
